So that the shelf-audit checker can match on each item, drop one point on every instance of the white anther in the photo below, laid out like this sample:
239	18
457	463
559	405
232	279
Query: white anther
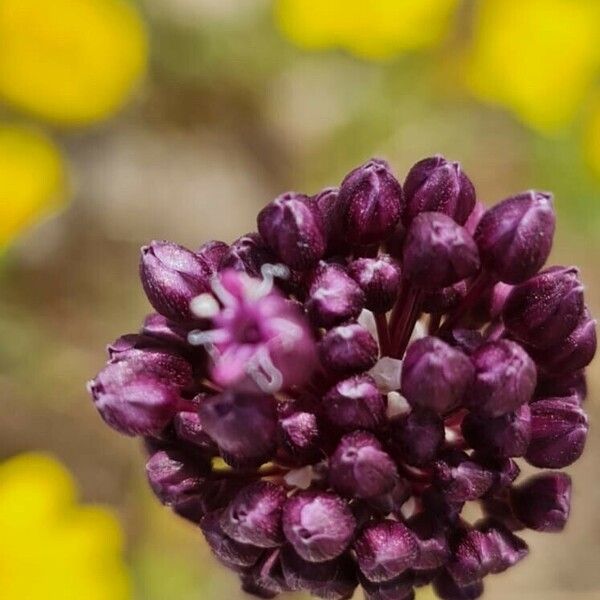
205	306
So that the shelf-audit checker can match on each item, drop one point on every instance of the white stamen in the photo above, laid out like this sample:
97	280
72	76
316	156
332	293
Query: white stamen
205	306
397	405
264	373
221	293
300	478
204	338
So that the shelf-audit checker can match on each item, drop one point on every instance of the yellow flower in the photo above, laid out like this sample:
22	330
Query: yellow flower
32	179
51	548
378	29
592	139
71	62
538	58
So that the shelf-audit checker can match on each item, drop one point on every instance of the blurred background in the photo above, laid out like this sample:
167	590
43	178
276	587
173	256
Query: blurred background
124	121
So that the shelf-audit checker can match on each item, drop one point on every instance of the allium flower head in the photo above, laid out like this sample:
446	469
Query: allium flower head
324	397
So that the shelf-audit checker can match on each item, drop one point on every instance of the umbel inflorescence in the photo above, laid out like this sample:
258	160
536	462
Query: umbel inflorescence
323	397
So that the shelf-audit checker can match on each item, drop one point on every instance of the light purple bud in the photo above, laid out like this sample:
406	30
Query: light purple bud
188	428
543	502
545	309
299	434
436	185
247	255
172	277
505	378
434	551
379	279
211	253
447	589
509	548
385	550
515	236
370	197
319	525
558	433
160	328
435	375
360	468
133	341
460	478
504	436
348	349
438	252
355	403
334	297
418	436
293	228
496	299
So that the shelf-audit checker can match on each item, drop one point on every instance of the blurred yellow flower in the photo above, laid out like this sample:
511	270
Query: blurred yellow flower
378	29
538	58
425	594
71	62
51	548
32	179
592	139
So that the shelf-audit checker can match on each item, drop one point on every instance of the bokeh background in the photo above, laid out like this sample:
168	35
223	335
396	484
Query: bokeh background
123	121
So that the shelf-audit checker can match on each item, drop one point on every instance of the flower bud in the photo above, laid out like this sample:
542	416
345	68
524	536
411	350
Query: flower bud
504	471
327	203
334	297
434	551
355	403
211	253
293	228
370	197
474	555
254	515
570	385
505	378
445	299
515	236
504	436
509	548
442	509
318	525
160	328
435	375
447	589
360	468
299	435
188	428
436	185
265	579
247	255
391	502
348	349
379	279
545	309
242	425
418	436
172	277
543	502
385	550
474	218
558	433
438	252
400	588
460	478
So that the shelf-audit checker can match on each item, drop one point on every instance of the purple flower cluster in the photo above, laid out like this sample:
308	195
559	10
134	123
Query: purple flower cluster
323	397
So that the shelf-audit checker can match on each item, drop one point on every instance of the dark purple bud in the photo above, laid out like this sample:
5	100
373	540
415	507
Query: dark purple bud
505	378
299	434
318	525
436	185
447	589
444	299
247	255
504	471
509	548
172	277
571	385
434	551
293	228
254	515
370	197
438	252
228	551
440	507
391	502
460	478
497	507
360	468
139	391
467	340
188	428
334	296
504	436
543	502
348	349
355	403
474	555
212	253
394	244
265	579
435	375
545	309
515	236
327	203
242	425
385	550
379	279
418	436
558	433
160	328
400	588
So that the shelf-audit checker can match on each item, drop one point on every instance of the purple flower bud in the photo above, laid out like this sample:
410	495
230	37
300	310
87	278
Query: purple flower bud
400	588
254	515
299	435
543	502
447	589
504	471
434	551
515	236
570	385
172	277
348	349
505	378
334	297
385	550
318	525
160	328
139	391
438	252
379	279
474	218
467	340
394	244
509	548
444	299
355	403
327	203
293	228
370	197
436	185
504	436
460	478
265	579
441	508
188	428
545	309
435	375
247	255
242	425
391	502
558	433
474	555
211	253
360	468
496	299
418	436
